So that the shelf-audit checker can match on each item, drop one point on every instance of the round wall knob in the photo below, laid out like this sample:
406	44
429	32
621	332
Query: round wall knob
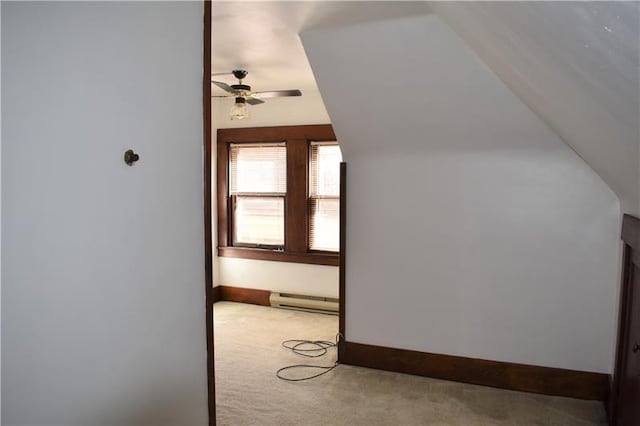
130	157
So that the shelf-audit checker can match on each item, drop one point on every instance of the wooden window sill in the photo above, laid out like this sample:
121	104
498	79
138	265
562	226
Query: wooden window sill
330	259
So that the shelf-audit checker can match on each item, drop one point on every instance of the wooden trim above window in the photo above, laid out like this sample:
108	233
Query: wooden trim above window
297	139
314	132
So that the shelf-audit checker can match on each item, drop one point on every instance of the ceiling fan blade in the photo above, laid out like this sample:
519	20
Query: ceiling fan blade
224	86
223	96
253	101
277	93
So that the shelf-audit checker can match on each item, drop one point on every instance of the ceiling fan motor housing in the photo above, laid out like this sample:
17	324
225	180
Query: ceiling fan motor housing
241	87
239	74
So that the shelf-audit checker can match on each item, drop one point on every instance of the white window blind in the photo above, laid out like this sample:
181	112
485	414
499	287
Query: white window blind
324	196
257	187
258	168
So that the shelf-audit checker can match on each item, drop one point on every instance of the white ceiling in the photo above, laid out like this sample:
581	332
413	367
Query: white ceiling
262	37
576	64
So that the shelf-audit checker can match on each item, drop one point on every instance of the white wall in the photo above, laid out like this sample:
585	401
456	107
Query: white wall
296	278
472	229
103	266
316	280
575	64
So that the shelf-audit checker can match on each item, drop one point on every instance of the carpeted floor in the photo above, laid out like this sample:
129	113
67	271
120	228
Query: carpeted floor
248	353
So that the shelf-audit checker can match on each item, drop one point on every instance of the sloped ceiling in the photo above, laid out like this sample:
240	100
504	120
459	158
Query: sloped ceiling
262	36
575	64
465	166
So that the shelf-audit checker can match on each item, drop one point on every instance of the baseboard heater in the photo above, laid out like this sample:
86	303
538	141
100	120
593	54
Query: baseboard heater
323	305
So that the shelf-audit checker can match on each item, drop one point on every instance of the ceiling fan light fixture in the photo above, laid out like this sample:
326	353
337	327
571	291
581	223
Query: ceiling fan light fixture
239	110
243	95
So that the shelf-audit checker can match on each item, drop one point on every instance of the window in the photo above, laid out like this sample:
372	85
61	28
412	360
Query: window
324	196
279	194
258	188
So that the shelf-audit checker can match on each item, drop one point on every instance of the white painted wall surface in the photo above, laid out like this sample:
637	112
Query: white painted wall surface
576	65
296	278
103	267
472	229
316	280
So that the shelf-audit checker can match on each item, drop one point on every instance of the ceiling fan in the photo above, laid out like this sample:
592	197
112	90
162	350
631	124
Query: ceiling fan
243	95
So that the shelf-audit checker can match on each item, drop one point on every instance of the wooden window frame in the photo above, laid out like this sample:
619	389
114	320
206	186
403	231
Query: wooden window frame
297	212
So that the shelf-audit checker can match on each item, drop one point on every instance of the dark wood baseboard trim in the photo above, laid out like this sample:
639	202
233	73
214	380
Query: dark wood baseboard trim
519	377
242	295
608	404
216	294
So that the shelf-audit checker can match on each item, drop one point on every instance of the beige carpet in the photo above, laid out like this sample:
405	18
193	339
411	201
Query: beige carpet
248	353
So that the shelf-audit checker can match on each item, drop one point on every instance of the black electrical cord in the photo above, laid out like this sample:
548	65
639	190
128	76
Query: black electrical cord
309	349
318	347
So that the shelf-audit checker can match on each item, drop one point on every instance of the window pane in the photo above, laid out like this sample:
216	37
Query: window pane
258	168
324	190
325	169
259	220
325	224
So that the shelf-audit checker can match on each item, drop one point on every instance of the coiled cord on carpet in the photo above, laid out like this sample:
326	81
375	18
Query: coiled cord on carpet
309	349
